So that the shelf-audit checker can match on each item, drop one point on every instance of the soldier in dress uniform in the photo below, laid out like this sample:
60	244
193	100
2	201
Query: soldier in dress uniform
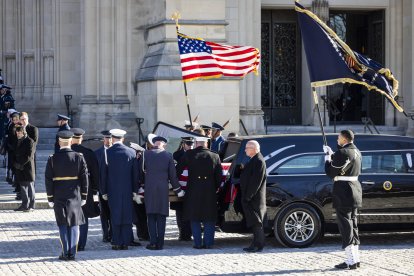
140	219
66	178
158	167
105	216
200	201
62	122
6	103
119	187
217	140
89	209
184	227
344	167
207	130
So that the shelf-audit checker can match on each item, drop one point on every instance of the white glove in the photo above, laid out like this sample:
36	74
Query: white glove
181	193
327	150
137	198
51	204
105	197
327	158
83	202
141	190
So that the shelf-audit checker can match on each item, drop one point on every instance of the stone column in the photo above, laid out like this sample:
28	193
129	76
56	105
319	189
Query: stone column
249	29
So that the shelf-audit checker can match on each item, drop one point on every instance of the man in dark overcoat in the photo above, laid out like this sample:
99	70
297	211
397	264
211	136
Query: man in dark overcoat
105	216
253	194
66	179
62	122
344	167
200	200
119	184
89	209
24	169
158	167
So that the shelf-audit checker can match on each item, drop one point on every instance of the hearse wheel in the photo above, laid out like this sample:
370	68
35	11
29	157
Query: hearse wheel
297	225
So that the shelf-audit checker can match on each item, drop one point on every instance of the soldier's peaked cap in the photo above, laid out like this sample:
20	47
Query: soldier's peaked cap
217	126
62	117
106	133
65	134
201	139
159	138
205	127
78	132
117	133
188	139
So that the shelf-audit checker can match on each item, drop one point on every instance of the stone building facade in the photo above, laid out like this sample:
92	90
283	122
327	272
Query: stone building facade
118	59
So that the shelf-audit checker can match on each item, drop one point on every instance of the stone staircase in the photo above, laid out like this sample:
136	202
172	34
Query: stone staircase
44	148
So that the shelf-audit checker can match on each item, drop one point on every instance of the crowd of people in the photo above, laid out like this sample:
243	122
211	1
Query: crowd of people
133	185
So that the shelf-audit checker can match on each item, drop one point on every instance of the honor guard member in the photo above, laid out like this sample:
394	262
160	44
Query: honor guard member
184	227
217	140
200	201
119	187
140	219
344	167
6	103
100	154
207	130
158	167
62	122
89	209
66	178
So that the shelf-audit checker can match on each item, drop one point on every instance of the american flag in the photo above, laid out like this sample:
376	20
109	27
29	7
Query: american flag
204	59
183	178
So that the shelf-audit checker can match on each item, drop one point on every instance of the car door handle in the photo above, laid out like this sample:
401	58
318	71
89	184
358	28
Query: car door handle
368	182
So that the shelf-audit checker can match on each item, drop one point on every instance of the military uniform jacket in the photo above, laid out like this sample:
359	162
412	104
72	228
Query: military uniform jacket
345	162
64	127
66	178
253	190
120	180
24	160
159	173
89	209
217	144
204	179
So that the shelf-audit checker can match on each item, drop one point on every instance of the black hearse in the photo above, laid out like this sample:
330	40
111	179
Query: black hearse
299	202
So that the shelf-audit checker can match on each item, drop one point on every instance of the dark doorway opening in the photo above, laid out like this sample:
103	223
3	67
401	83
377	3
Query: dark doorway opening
364	32
281	67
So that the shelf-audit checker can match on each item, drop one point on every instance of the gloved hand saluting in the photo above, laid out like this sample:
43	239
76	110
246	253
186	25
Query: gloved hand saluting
181	193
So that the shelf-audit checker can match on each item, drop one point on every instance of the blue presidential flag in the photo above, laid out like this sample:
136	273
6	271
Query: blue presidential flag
331	61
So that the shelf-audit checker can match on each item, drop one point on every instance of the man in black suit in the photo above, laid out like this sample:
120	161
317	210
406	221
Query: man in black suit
62	122
200	200
66	179
253	194
32	133
89	209
24	169
344	167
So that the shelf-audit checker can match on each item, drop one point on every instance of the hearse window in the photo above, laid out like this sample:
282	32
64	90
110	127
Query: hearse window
305	164
386	162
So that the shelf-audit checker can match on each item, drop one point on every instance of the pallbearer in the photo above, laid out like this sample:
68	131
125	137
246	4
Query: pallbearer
66	178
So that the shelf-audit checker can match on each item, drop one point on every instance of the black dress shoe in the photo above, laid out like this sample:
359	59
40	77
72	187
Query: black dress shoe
358	264
197	247
81	248
346	266
116	247
20	209
63	257
134	243
71	257
106	240
253	249
124	247
151	247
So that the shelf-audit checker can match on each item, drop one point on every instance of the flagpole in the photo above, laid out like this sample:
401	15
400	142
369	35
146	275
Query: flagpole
176	16
315	98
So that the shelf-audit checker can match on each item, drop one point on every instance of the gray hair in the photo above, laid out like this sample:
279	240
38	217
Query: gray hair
255	144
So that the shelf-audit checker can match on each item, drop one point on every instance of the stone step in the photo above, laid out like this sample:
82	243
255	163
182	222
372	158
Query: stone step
276	129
